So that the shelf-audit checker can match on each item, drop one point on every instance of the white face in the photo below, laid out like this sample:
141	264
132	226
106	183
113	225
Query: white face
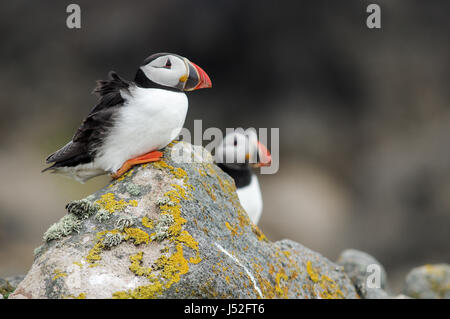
168	70
238	148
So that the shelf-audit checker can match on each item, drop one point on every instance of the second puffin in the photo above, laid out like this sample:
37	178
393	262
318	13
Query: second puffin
132	120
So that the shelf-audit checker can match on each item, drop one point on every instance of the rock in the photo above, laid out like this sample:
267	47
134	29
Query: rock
173	230
401	296
428	282
362	269
14	281
5	288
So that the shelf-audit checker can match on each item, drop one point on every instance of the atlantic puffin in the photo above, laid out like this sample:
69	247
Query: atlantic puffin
236	155
132	120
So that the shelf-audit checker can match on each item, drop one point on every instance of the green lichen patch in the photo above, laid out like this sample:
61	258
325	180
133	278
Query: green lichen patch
102	215
162	227
133	189
111	240
64	227
124	222
164	201
82	208
38	250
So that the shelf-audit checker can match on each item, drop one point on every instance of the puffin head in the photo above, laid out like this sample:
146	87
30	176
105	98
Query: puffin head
171	71
239	151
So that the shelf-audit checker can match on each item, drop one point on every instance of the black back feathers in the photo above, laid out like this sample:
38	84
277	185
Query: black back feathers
92	131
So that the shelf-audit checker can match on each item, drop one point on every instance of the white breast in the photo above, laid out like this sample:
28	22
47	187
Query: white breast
251	199
150	120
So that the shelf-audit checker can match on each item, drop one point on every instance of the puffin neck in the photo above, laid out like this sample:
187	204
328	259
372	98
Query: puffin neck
242	176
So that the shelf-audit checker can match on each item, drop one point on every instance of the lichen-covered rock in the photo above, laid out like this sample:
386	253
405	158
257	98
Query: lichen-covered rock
173	230
8	285
428	282
14	281
5	288
366	273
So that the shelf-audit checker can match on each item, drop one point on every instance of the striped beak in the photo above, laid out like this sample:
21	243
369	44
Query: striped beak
264	157
197	78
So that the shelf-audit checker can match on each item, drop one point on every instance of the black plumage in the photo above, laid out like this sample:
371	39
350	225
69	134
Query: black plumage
241	173
90	135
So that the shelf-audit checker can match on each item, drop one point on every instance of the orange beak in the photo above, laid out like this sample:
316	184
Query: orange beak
198	79
265	159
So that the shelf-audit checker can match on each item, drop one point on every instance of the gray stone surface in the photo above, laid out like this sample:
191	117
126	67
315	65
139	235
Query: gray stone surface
428	282
362	268
5	288
15	280
173	230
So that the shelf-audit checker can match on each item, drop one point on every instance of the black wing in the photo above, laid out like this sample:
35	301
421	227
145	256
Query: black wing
90	135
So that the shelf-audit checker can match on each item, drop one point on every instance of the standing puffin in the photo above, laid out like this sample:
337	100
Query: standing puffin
255	155
132	120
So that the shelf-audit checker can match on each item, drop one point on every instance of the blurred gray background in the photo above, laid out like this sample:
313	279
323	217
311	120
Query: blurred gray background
364	115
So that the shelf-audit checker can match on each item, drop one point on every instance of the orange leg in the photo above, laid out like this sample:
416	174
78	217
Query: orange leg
146	158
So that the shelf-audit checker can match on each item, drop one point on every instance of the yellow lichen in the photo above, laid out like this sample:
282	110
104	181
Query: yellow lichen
146	222
58	274
143	292
279	289
170	268
128	173
177	172
209	190
181	191
95	251
312	274
109	203
231	229
244	220
139	236
133	203
136	267
174	210
260	235
173	267
190	242
329	288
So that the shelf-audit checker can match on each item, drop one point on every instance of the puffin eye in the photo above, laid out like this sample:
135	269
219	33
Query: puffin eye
168	64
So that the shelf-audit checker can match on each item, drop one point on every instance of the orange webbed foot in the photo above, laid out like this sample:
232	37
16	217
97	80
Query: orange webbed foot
153	156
